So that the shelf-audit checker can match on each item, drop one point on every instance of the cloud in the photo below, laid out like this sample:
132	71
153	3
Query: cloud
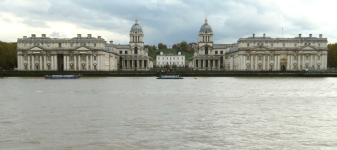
167	21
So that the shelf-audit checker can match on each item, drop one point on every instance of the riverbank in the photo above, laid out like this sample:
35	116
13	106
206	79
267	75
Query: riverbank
155	73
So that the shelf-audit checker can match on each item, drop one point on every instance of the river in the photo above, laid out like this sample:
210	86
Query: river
146	113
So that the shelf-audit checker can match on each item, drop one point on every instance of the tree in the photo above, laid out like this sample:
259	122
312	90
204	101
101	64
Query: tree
160	46
174	46
183	46
332	55
8	55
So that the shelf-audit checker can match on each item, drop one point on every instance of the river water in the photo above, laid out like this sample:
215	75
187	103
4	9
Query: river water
146	113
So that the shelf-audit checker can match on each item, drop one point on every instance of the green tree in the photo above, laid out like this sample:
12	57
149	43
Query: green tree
332	55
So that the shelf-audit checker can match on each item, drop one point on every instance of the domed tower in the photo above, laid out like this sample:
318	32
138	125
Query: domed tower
205	37
136	35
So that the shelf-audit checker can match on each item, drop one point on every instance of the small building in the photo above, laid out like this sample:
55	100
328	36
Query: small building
170	60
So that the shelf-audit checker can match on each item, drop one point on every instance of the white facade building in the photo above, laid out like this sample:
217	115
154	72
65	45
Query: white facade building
134	56
170	60
62	54
278	54
260	53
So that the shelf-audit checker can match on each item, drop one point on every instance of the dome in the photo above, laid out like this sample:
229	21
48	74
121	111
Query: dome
206	27
136	27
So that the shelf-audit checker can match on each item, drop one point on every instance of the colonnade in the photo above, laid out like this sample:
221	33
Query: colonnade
206	63
139	64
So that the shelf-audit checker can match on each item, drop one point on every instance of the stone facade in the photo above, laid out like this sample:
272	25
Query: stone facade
278	54
134	56
177	60
260	53
63	54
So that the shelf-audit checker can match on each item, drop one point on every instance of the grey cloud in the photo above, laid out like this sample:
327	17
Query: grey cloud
170	23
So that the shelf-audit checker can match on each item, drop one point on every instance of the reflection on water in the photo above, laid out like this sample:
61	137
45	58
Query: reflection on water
146	113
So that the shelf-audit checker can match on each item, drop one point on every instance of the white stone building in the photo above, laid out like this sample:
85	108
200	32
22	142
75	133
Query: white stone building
278	54
170	60
64	54
133	56
260	53
208	55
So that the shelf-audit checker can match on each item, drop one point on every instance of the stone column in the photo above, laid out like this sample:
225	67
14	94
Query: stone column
98	62
33	62
244	67
75	62
213	64
28	62
51	62
91	63
143	63
68	63
79	63
311	60
256	65
44	62
263	62
40	63
204	63
315	61
87	63
64	62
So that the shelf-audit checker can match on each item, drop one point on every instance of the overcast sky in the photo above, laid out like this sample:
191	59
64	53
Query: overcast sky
167	21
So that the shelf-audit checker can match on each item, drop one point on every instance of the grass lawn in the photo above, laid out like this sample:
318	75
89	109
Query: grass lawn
173	51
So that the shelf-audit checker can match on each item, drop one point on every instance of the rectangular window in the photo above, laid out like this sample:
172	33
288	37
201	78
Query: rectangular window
295	44
71	44
120	52
126	52
173	58
247	57
247	44
166	58
48	67
306	57
158	58
319	44
94	44
272	44
94	57
284	44
295	57
216	52
319	57
60	45
182	58
259	57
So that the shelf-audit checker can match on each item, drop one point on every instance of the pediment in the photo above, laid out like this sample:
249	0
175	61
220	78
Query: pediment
261	48
308	48
36	48
83	49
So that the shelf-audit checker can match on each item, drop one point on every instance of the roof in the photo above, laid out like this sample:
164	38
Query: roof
206	27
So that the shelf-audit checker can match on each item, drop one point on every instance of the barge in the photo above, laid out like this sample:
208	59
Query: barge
169	77
62	76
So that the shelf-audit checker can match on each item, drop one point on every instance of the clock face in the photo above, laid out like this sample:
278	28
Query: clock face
136	32
206	32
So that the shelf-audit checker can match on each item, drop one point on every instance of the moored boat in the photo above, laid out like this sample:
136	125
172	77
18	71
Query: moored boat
62	76
169	77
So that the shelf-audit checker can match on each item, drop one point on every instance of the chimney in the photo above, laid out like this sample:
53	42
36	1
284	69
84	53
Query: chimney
299	35
44	36
253	35
264	35
33	36
89	36
24	37
111	42
310	35
99	37
179	53
78	36
161	53
320	36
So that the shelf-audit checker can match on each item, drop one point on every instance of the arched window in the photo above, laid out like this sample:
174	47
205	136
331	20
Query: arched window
136	50
206	50
126	52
